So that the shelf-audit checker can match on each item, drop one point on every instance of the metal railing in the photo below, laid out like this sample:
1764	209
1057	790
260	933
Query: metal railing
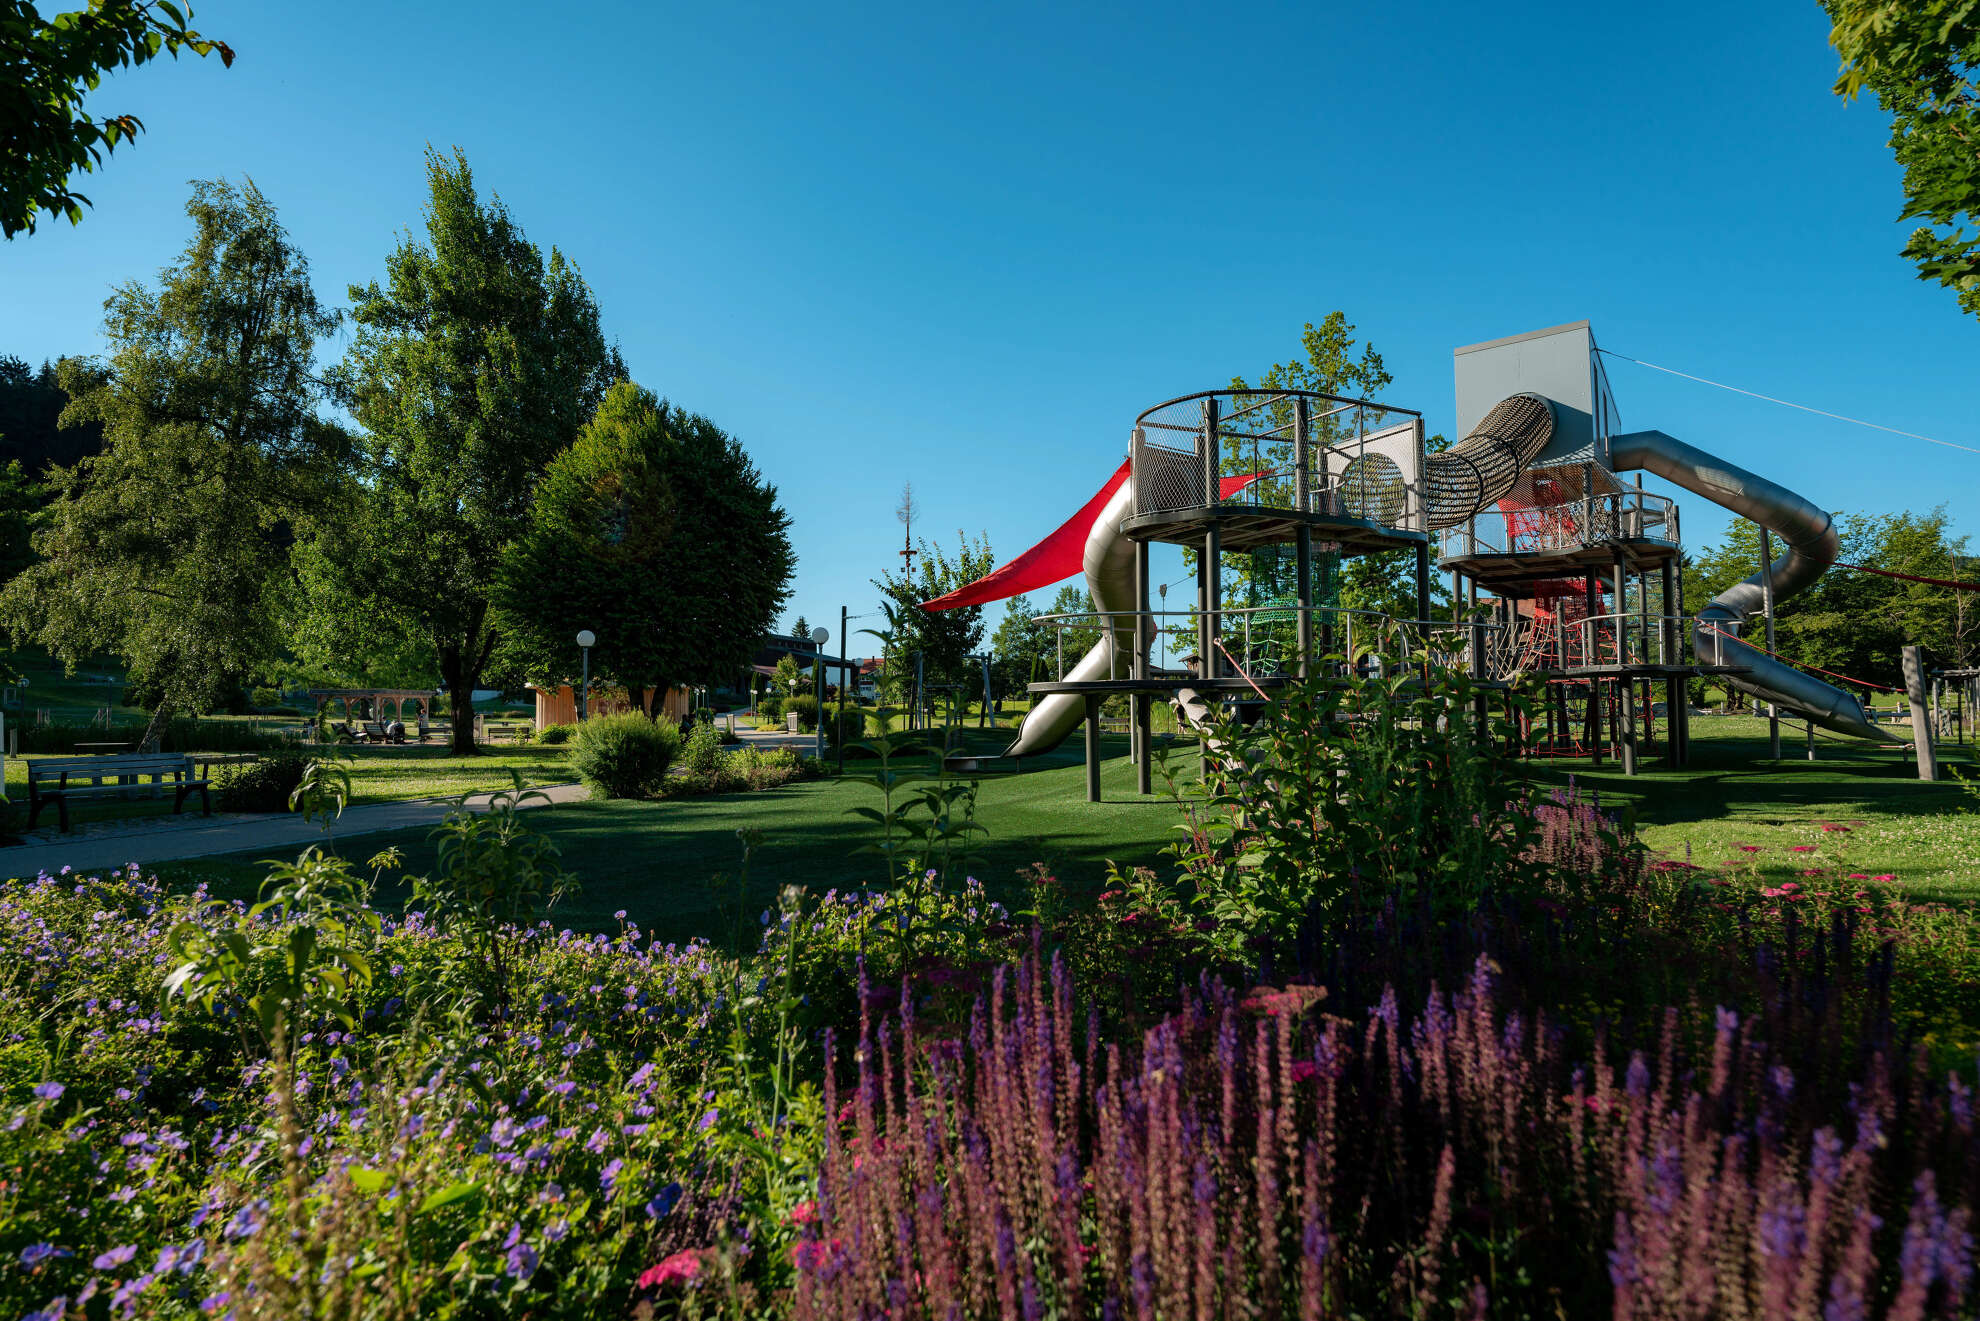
1630	514
1298	450
1555	642
1264	640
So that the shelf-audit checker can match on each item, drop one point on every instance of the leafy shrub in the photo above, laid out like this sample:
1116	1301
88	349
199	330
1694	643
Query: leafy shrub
737	770
263	785
806	707
770	709
625	756
844	724
551	736
701	754
1348	798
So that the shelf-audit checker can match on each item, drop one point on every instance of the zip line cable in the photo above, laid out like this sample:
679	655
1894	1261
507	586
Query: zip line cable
1788	403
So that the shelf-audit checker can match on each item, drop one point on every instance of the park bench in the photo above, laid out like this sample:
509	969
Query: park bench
58	779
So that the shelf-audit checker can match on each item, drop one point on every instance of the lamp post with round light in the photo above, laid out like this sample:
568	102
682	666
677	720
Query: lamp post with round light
586	639
819	637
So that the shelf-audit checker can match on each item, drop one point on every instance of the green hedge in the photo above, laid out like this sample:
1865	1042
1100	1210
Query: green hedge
625	756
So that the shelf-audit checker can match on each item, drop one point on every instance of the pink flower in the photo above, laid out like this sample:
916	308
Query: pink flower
1814	871
1802	848
805	1213
811	1256
1831	828
1304	1071
1747	848
1293	1000
1887	876
684	1267
1859	876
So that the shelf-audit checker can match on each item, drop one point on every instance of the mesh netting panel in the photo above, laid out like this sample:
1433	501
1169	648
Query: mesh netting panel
1373	487
1480	469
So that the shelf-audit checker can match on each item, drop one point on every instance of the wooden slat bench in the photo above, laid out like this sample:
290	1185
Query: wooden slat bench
58	779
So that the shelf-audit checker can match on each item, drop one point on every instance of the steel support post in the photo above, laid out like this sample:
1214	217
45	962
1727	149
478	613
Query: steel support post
1303	572
1092	701
1144	778
1767	604
1213	586
1423	608
1138	737
1302	427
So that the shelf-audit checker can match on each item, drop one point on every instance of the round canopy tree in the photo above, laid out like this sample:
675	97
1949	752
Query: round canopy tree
656	532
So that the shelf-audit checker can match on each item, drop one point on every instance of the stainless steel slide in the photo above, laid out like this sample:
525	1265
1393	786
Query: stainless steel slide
1810	535
1808	531
1109	565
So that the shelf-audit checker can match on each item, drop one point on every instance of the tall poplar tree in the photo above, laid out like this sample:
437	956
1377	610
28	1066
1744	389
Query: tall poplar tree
169	547
472	366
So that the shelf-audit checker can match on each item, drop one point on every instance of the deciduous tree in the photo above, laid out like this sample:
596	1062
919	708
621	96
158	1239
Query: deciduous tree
943	640
48	66
472	366
169	547
655	531
1921	58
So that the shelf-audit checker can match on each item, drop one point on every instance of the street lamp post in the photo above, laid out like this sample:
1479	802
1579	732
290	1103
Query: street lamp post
819	637
586	639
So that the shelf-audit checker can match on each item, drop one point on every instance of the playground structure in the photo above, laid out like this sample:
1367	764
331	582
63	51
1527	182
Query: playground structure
1562	572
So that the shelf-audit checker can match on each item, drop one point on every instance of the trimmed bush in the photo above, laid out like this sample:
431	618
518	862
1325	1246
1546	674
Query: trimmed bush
806	707
770	709
260	786
701	754
844	724
555	735
625	756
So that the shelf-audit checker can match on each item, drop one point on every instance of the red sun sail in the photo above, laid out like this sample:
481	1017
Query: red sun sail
1060	555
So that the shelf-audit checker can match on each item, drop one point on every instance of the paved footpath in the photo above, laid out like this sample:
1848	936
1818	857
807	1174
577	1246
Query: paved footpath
189	835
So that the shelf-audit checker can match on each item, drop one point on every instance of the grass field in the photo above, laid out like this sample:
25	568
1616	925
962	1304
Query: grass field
378	775
1926	834
655	860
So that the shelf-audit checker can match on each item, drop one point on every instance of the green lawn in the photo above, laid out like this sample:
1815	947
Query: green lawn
655	859
1731	794
378	775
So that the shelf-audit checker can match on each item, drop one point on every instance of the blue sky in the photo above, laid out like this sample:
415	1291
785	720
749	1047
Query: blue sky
965	246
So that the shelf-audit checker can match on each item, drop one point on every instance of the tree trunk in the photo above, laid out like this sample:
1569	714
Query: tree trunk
155	728
460	699
635	697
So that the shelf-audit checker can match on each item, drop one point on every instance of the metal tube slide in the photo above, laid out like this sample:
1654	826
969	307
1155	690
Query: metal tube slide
1810	535
1109	566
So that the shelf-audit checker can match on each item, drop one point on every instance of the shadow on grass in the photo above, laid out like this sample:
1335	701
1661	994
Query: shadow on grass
656	861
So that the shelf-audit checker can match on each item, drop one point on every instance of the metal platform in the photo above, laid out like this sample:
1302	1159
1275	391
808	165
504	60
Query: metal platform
1505	574
1244	527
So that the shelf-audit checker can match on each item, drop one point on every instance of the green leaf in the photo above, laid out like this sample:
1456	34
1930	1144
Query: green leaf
367	1181
458	1192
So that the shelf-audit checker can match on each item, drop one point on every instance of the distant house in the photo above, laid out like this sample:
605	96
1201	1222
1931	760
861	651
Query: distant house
870	671
776	646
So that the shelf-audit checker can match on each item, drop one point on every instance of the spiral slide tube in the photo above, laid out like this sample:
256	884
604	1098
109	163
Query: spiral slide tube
1810	535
